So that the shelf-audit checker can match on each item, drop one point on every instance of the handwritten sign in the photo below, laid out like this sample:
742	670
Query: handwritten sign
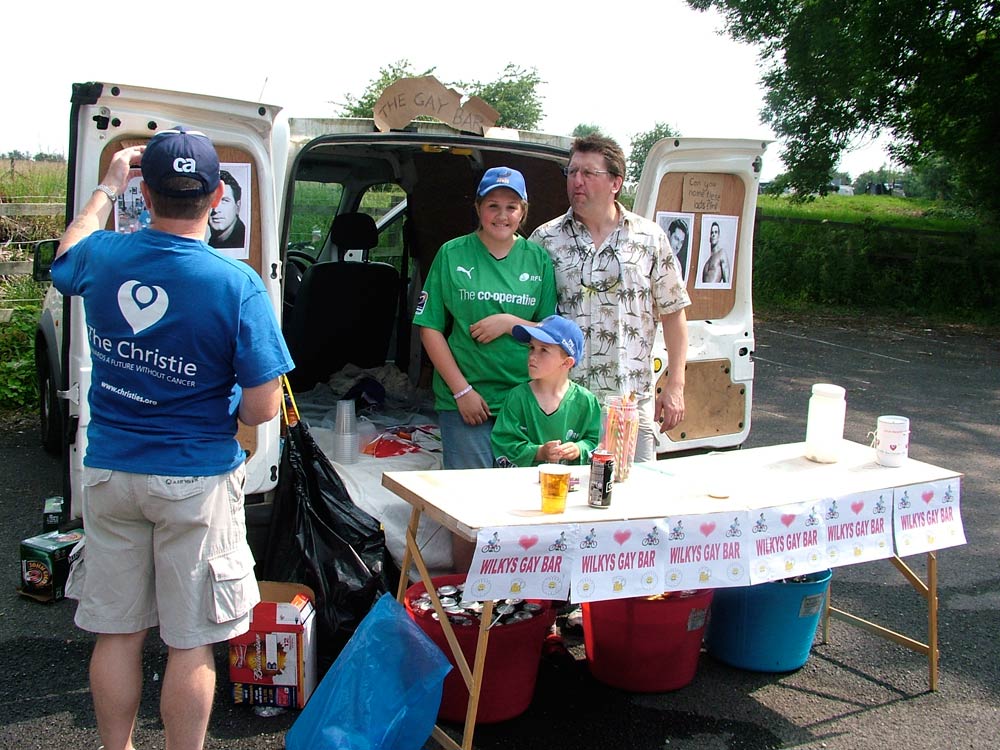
409	98
707	551
788	541
702	193
926	517
616	560
858	527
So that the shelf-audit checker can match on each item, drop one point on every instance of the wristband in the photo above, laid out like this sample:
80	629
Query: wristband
108	191
467	389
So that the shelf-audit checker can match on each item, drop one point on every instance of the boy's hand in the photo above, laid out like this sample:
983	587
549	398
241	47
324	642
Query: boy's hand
569	451
555	451
549	453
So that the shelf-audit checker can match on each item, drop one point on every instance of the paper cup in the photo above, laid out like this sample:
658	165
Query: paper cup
554	480
892	440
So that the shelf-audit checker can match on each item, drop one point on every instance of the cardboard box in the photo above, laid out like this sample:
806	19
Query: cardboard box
45	563
54	513
274	663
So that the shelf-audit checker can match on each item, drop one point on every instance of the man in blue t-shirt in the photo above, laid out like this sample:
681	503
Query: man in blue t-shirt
183	341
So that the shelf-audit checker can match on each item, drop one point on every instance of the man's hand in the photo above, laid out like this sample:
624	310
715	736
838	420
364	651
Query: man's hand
669	407
95	212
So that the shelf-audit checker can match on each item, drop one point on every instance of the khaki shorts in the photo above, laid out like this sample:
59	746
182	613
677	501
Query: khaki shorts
167	551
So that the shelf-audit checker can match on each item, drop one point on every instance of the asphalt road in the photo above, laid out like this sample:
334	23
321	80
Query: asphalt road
855	691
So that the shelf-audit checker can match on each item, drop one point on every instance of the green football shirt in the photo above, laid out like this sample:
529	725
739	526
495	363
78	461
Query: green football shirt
466	284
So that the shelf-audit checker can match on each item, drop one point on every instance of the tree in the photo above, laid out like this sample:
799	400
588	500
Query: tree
641	143
585	129
927	73
514	95
364	105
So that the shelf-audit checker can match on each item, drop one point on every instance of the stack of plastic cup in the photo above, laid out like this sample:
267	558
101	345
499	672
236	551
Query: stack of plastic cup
345	434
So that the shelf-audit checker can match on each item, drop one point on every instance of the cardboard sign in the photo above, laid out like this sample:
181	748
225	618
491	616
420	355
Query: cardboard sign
926	517
409	98
702	193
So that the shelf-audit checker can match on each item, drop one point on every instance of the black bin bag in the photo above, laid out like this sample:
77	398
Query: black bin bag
319	537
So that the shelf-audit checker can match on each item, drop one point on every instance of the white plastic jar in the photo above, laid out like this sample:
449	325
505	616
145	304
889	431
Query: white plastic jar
825	423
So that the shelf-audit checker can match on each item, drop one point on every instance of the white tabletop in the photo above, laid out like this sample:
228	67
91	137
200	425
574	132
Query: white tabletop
468	500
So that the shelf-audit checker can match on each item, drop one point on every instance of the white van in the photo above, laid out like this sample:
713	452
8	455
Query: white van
305	183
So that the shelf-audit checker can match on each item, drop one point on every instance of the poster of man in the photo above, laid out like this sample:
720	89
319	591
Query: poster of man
227	223
716	252
677	227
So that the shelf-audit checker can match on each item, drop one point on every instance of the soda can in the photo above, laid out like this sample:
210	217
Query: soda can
602	478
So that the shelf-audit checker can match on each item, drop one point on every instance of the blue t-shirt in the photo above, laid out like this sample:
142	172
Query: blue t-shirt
175	330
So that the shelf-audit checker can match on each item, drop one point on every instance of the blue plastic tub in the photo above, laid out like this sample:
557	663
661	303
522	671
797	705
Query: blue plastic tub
769	627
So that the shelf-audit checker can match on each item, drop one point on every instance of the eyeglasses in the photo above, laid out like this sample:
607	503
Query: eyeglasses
588	174
604	264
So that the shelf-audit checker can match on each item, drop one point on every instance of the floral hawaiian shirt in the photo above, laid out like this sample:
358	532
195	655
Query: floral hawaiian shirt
616	295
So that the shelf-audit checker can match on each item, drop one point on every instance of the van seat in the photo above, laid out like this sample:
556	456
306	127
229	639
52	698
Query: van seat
345	310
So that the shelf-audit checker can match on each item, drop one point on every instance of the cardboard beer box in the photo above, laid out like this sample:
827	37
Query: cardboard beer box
274	663
45	564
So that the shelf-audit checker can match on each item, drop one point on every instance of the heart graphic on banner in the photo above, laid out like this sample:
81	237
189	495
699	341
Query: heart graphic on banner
928	496
622	536
892	446
707	529
528	541
787	518
856	506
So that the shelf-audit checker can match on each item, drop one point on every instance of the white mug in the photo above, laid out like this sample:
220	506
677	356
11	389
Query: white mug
892	440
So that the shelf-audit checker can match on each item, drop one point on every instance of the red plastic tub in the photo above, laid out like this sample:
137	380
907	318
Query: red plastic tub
646	645
512	657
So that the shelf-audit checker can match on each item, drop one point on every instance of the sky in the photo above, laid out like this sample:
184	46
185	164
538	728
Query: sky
622	71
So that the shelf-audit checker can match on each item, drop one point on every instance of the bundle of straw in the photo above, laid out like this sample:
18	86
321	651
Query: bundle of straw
621	430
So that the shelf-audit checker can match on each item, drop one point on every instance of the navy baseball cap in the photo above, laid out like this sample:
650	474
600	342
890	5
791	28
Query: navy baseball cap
554	329
180	152
502	177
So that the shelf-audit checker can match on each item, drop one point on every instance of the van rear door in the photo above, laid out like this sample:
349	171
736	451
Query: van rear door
703	192
108	117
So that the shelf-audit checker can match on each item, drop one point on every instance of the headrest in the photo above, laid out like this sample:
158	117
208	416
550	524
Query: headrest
355	231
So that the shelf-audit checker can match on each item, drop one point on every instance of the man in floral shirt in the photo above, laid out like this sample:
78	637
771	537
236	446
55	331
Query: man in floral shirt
617	278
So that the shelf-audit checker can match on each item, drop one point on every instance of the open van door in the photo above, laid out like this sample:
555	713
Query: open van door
703	192
105	118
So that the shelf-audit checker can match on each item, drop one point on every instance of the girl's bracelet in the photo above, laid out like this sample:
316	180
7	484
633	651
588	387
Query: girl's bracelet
467	389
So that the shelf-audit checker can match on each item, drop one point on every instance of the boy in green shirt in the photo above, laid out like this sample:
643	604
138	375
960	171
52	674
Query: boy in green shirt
549	419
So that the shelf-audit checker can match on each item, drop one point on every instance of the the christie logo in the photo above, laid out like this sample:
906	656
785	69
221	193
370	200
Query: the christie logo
142	305
185	164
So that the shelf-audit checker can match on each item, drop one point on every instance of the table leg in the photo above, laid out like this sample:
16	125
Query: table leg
404	573
932	618
473	677
926	589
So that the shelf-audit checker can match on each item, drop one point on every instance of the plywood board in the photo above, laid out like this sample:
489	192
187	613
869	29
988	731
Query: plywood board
713	403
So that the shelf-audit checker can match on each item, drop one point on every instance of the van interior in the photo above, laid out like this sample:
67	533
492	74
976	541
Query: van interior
363	222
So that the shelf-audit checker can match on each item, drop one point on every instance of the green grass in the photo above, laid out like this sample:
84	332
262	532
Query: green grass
884	210
32	182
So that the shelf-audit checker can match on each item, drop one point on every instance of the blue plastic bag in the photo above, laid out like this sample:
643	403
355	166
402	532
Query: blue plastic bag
382	693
